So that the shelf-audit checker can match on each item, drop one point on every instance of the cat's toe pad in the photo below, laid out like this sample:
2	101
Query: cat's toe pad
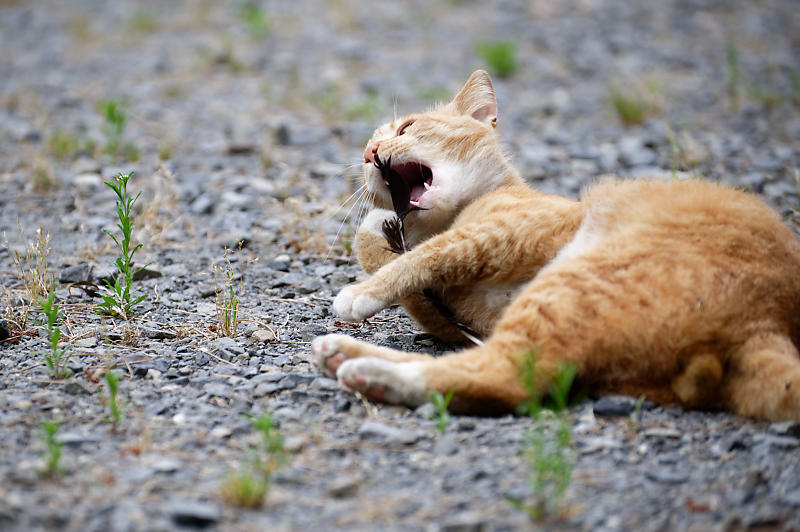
351	306
328	353
382	380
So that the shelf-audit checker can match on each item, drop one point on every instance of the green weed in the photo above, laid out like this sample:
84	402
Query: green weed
57	357
794	86
632	106
366	109
52	449
732	64
440	403
500	57
248	487
120	299
227	300
548	442
114	410
256	19
144	22
63	144
115	115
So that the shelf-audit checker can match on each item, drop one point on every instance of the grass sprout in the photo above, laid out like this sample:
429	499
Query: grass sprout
732	68
116	117
547	447
33	269
248	487
57	357
52	449
500	57
115	412
120	299
227	300
440	403
255	18
632	105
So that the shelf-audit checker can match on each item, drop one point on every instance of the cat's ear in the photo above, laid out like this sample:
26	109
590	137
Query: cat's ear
476	99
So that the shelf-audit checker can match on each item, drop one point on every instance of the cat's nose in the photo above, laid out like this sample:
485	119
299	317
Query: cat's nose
369	153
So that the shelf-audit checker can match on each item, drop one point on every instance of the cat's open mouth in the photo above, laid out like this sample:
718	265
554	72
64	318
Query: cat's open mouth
407	183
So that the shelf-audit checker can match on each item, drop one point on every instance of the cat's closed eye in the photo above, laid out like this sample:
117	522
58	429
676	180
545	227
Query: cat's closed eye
406	125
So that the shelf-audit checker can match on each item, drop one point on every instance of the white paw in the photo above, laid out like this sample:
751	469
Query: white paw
401	383
350	306
373	221
324	351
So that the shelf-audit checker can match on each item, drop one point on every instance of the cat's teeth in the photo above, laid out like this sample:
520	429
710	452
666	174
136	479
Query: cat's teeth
414	203
427	186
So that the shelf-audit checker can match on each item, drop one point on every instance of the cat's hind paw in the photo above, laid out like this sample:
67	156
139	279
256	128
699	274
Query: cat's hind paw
352	306
401	383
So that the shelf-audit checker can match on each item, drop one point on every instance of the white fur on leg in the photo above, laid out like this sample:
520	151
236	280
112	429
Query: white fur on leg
373	221
351	306
403	382
323	348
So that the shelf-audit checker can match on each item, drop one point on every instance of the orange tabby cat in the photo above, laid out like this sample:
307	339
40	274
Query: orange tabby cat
684	291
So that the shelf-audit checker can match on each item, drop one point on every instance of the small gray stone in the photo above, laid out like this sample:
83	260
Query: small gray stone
262	335
779	442
201	205
157	333
76	388
614	406
426	411
383	433
193	513
342	488
666	475
312	330
76	273
5	332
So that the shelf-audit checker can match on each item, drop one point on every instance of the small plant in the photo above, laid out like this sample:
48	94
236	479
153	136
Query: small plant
248	487
57	357
120	299
115	412
115	115
632	107
33	270
732	63
52	449
440	403
547	443
500	57
62	144
256	19
227	302
635	417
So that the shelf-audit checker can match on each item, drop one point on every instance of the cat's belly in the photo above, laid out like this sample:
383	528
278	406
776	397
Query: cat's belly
480	306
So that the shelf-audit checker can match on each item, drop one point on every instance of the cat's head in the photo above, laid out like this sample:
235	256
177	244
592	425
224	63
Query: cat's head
448	156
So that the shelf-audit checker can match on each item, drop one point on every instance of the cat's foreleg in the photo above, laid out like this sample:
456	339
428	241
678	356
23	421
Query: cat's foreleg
477	252
330	350
371	246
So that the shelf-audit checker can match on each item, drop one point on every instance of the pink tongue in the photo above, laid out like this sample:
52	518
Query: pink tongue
416	192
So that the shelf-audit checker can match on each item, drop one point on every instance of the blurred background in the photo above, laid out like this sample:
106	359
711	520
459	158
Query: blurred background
279	97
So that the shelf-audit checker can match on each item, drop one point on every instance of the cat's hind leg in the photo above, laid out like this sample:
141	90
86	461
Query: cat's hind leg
763	379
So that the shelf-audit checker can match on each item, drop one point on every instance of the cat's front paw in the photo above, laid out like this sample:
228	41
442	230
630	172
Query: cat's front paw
328	353
400	383
350	305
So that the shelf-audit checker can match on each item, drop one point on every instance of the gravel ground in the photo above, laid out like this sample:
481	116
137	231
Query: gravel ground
250	128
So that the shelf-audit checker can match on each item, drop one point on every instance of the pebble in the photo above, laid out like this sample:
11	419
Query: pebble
387	434
262	336
76	273
196	514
